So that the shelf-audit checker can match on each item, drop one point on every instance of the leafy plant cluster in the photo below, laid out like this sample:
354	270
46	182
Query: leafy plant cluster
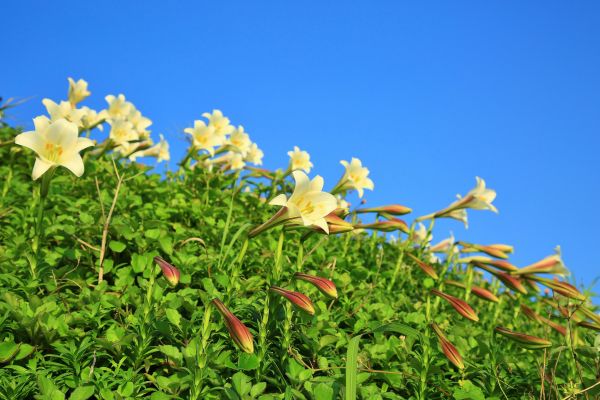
66	334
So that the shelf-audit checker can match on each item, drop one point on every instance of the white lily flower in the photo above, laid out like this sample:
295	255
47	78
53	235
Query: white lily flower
356	176
480	197
122	131
118	107
56	143
300	159
139	122
254	154
63	110
419	235
159	150
308	203
204	137
91	118
78	91
219	122
240	141
236	161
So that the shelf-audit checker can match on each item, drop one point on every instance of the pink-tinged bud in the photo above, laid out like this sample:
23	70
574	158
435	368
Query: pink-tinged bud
538	318
477	291
564	288
428	269
500	264
509	281
459	305
484	294
494	250
337	224
170	273
526	341
325	286
239	333
298	299
589	325
393	209
550	265
390	225
448	348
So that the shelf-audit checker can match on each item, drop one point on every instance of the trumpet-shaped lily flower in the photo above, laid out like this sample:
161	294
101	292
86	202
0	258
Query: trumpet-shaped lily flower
63	110
118	106
78	91
254	155
204	137
122	131
300	159
550	265
308	205
355	177
219	122
56	143
240	141
159	150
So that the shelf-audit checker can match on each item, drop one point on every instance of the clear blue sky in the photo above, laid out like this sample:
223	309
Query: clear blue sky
428	95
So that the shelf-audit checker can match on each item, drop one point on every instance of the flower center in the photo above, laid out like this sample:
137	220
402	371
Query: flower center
53	152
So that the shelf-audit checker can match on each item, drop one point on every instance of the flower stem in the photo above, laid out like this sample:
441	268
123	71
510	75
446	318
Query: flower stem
44	188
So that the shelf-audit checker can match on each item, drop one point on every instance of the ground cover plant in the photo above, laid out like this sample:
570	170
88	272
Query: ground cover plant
221	279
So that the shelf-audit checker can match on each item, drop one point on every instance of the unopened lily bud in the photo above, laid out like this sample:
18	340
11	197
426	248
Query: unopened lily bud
170	273
477	291
589	325
494	250
509	281
526	341
500	264
448	348
324	285
484	294
298	299
550	265
590	314
394	209
389	225
428	269
563	288
459	305
337	224
240	334
542	320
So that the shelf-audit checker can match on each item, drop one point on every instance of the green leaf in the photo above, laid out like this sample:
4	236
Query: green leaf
7	351
323	392
25	350
248	361
352	368
468	391
48	390
174	317
116	246
82	393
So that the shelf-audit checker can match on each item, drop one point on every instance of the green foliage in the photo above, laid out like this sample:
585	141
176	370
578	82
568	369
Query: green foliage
64	335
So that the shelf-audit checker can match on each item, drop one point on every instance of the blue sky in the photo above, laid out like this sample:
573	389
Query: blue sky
428	95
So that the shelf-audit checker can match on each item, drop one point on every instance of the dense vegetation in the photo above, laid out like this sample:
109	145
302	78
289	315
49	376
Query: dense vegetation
86	312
